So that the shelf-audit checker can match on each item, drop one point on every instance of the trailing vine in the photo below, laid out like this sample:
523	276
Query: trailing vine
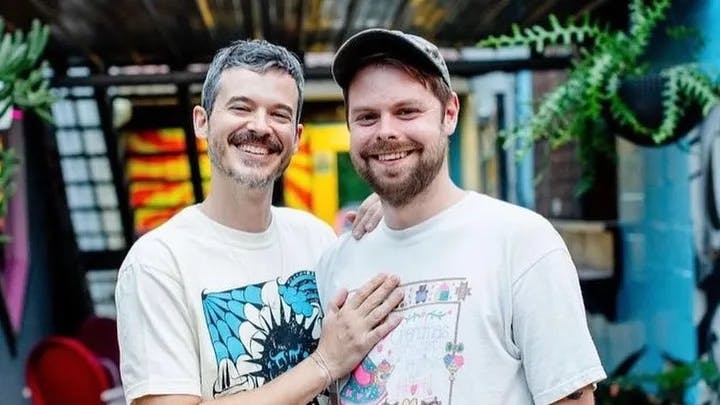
539	37
604	58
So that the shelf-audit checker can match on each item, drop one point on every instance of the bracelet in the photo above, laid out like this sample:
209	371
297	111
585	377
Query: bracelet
325	363
320	361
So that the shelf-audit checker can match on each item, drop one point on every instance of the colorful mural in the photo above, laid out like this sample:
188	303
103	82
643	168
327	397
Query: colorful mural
320	178
158	172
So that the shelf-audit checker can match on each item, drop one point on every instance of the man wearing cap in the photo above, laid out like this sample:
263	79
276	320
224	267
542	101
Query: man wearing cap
492	310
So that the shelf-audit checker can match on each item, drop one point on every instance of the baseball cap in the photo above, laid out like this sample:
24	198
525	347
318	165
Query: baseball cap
408	48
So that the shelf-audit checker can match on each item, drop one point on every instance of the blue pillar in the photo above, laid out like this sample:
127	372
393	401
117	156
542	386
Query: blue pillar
524	170
704	14
658	261
455	155
658	283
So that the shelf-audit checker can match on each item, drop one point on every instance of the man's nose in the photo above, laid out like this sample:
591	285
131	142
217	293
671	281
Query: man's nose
387	128
259	123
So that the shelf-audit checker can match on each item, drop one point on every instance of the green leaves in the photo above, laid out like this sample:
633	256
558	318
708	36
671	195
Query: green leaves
603	59
645	17
22	82
686	85
8	167
673	382
24	85
540	37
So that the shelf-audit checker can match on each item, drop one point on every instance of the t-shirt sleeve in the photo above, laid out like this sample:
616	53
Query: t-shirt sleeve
326	236
322	274
158	352
550	329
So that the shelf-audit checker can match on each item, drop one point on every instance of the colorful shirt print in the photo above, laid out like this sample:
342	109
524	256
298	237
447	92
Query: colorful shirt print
262	330
417	362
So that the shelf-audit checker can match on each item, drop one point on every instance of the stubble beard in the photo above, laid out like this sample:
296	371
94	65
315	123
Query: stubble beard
254	179
417	178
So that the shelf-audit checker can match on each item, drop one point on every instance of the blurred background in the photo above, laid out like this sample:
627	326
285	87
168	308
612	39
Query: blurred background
108	153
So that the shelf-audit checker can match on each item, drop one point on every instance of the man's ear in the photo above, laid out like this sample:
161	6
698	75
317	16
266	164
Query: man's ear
298	136
452	112
200	122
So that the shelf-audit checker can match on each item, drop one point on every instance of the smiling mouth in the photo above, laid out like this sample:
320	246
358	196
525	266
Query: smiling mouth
392	156
254	149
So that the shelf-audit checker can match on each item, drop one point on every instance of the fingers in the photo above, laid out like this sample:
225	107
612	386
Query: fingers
379	296
369	221
368	216
358	222
339	300
382	330
366	290
372	199
381	312
350	217
356	322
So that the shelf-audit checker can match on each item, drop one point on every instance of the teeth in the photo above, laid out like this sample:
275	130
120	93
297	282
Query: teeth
257	150
392	156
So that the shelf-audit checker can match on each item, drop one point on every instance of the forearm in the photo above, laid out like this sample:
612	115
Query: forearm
299	386
347	336
583	396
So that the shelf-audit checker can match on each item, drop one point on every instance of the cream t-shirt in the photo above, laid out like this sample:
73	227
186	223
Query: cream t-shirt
207	310
492	312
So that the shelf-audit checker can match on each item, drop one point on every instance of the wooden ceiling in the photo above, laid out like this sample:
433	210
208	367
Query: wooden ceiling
102	33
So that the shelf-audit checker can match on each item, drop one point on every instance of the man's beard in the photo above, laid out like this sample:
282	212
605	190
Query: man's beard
416	179
253	179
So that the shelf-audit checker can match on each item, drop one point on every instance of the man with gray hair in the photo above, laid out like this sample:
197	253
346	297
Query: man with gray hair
220	304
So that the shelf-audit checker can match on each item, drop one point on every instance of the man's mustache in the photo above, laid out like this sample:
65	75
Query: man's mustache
384	146
244	137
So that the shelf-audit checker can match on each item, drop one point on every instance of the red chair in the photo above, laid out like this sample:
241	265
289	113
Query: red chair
62	371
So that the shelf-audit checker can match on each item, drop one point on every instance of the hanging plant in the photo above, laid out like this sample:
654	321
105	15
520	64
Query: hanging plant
23	85
589	102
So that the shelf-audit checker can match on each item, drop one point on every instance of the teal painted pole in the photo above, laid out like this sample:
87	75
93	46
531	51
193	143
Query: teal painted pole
524	166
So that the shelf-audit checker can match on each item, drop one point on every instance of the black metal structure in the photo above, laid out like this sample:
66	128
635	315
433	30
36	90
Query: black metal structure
103	34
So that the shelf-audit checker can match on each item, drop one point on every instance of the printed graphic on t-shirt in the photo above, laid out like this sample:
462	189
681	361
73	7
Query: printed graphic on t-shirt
260	331
418	361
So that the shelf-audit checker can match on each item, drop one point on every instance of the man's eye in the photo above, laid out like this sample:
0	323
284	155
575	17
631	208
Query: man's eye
406	112
282	116
240	108
365	117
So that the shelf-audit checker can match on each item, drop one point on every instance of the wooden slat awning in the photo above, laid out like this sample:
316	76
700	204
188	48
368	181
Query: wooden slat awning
102	33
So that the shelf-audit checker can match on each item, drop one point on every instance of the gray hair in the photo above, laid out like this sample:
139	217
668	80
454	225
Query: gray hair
255	55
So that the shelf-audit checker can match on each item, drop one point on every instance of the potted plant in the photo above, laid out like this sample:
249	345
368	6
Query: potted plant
597	96
23	85
667	387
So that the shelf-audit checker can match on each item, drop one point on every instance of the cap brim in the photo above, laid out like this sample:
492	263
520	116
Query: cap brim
376	42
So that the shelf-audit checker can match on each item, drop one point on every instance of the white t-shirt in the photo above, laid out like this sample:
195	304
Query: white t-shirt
492	312
206	310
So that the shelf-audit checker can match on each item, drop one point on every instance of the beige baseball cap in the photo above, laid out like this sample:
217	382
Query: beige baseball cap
408	48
